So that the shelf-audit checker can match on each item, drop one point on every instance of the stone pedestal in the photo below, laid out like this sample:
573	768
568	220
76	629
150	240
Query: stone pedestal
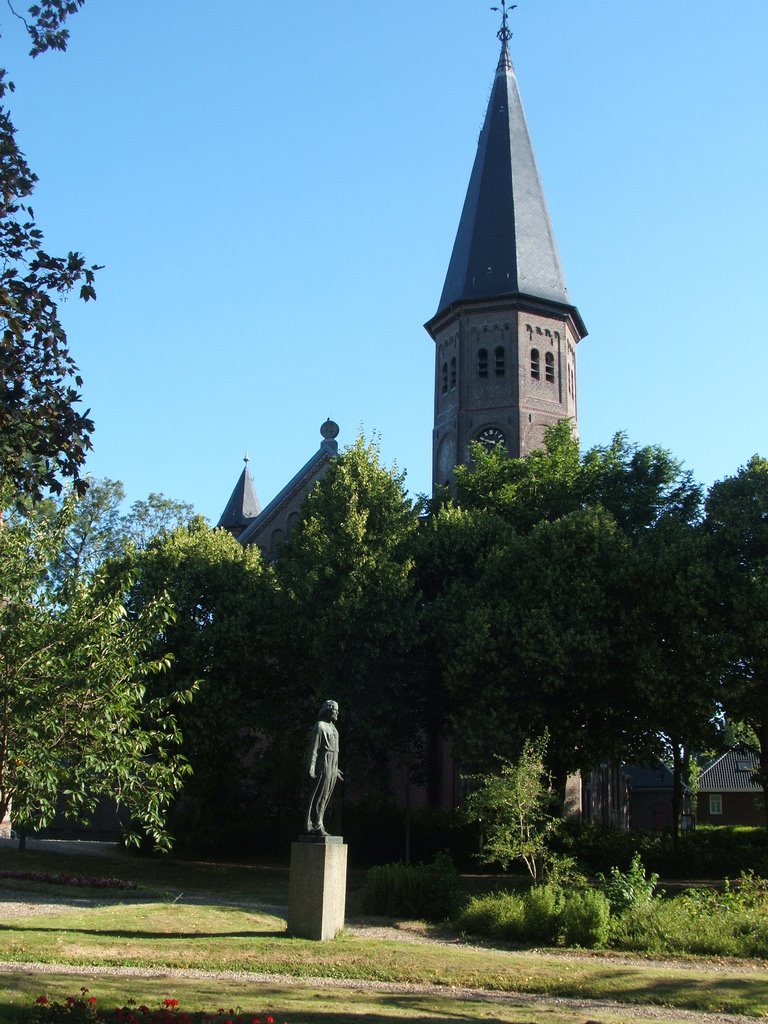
317	888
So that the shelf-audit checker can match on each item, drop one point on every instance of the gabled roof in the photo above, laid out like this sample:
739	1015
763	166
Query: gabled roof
505	244
648	777
243	506
298	487
732	772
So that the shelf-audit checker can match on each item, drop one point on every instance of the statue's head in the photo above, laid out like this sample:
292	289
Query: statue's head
329	710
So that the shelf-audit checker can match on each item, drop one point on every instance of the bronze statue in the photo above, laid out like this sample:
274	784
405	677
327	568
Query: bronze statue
323	765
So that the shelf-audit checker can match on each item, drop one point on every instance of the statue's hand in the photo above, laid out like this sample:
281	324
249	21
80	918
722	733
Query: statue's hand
339	775
312	773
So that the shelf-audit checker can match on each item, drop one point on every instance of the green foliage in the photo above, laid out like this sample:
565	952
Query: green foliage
43	435
638	487
545	915
221	641
76	719
424	892
733	922
541	914
573	596
706	852
514	809
736	526
585	919
498	915
627	889
350	612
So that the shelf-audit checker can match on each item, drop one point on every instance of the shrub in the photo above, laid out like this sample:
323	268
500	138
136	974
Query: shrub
731	922
499	916
625	889
585	919
541	917
709	851
427	892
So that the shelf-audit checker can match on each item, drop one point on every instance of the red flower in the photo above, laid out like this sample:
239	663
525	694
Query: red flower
170	1003
270	1020
42	1000
91	1000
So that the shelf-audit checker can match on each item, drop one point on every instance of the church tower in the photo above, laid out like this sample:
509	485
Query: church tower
505	333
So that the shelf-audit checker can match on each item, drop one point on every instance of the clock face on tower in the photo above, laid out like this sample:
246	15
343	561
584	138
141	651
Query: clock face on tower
490	437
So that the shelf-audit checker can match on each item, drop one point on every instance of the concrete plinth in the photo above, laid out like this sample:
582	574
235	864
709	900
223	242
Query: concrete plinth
317	889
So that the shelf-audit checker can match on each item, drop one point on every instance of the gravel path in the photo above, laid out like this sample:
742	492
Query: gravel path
20	905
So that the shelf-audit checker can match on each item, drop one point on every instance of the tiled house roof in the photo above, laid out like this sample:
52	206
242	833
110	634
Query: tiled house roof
732	772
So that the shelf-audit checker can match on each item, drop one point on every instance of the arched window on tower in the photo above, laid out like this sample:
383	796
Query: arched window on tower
498	360
549	368
453	372
535	365
444	385
482	363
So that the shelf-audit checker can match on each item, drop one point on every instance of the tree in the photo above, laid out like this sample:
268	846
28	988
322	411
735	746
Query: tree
549	622
538	639
638	486
75	718
514	808
678	658
224	599
736	526
350	611
99	530
43	434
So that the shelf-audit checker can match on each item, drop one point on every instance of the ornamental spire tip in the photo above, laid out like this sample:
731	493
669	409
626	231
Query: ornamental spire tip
505	33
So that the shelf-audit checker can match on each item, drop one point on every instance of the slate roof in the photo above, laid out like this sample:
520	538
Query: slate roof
643	777
243	505
505	244
731	772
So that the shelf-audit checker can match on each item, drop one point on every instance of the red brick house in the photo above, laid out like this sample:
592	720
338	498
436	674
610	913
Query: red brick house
728	791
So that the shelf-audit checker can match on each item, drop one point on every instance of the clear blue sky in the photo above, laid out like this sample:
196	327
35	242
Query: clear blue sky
274	191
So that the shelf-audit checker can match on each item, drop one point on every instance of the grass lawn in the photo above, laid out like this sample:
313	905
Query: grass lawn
213	936
302	1005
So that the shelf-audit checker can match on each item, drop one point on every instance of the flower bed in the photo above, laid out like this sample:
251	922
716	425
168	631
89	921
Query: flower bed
53	878
84	1009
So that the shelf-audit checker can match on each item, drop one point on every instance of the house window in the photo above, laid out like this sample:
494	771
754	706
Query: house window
498	360
482	363
715	803
549	368
535	365
444	387
453	373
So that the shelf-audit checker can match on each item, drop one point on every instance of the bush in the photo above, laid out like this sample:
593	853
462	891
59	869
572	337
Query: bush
425	892
710	851
729	922
625	889
541	917
585	919
499	916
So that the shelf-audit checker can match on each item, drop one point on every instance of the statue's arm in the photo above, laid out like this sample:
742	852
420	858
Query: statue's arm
314	747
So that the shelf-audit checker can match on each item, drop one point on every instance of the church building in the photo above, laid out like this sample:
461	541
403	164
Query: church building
505	332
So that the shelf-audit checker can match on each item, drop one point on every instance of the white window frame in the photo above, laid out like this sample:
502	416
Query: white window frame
715	803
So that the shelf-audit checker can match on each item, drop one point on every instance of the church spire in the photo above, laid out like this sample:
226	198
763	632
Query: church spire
243	505
505	332
505	244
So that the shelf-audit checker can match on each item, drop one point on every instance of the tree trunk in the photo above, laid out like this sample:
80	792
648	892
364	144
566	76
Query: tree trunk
677	792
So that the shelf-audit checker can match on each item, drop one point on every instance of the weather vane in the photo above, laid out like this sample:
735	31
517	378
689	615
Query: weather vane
504	33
